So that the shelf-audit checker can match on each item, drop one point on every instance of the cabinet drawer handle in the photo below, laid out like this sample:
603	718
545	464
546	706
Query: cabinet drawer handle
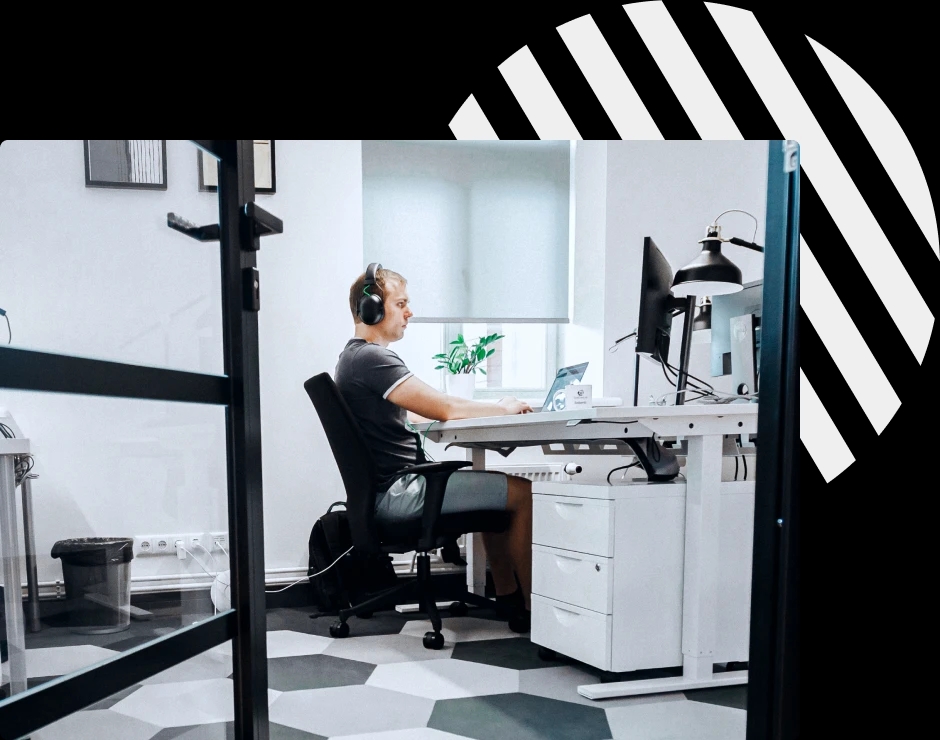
564	510
564	616
569	566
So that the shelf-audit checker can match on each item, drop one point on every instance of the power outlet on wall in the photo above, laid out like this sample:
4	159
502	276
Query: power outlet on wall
218	541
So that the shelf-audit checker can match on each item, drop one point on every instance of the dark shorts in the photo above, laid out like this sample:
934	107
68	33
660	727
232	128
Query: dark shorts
467	490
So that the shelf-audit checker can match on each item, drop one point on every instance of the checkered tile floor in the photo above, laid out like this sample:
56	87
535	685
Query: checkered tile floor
382	684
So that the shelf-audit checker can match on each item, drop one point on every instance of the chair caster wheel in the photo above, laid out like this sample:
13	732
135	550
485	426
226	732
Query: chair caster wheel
340	629
547	653
433	640
458	609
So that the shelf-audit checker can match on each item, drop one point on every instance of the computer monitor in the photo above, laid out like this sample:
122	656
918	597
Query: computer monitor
749	300
657	304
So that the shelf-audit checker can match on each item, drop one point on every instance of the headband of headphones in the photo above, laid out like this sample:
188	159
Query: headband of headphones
371	270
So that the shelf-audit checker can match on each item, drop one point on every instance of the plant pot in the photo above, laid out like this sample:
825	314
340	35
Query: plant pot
461	385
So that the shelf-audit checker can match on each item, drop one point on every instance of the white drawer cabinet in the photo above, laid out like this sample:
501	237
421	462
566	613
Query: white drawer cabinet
607	573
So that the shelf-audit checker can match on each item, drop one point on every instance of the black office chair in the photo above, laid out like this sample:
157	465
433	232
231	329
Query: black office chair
371	537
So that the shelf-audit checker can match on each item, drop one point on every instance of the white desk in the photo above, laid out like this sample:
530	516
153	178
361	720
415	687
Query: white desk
10	563
597	431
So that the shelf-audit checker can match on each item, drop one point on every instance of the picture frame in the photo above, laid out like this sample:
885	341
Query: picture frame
265	171
134	164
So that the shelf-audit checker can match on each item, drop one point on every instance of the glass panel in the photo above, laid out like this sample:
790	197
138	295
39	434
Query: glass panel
88	265
129	524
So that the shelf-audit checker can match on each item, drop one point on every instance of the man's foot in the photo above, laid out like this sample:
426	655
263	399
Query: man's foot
511	602
521	621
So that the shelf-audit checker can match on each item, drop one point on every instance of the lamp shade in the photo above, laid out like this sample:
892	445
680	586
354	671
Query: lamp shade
711	273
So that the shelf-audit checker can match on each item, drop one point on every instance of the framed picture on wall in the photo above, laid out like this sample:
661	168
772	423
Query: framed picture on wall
264	169
136	164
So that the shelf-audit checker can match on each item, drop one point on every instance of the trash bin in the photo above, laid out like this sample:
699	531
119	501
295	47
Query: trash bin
97	575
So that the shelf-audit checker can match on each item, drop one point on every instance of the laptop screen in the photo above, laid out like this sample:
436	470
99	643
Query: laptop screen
555	400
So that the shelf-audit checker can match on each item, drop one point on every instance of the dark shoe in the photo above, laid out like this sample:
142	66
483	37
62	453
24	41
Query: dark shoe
511	603
521	621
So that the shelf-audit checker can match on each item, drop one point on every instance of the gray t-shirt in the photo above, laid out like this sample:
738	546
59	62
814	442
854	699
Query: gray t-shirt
365	374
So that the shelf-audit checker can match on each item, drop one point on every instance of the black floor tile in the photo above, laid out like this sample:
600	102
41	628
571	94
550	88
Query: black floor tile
519	654
316	672
725	696
519	717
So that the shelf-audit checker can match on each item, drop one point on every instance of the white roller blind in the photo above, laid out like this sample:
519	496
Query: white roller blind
479	229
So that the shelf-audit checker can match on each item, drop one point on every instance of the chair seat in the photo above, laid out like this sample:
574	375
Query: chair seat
404	536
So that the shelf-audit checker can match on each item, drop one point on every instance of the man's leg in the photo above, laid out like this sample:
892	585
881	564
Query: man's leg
510	552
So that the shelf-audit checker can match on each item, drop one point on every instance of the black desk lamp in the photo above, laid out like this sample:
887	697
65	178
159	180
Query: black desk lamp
709	274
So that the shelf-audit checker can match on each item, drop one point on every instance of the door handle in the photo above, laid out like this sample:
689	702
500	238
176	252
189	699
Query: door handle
261	223
208	233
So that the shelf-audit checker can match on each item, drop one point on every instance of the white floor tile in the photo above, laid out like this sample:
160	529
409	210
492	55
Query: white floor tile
286	644
561	682
461	629
679	720
381	649
184	703
350	710
57	661
95	725
214	663
422	733
445	679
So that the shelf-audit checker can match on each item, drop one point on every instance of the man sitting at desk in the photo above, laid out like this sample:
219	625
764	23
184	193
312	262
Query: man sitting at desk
380	389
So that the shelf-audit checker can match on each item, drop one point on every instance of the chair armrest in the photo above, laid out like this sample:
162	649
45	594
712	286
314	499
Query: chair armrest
446	466
436	475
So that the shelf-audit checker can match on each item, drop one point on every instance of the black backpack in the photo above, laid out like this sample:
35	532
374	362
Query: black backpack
352	578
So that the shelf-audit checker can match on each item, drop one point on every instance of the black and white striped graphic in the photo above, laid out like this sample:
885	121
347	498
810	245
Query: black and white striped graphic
654	70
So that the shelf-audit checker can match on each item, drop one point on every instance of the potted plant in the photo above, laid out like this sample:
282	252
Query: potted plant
463	362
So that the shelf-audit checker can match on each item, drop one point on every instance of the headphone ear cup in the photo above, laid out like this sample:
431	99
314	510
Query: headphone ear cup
371	309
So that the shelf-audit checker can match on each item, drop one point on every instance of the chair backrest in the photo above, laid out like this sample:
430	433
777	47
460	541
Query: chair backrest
353	459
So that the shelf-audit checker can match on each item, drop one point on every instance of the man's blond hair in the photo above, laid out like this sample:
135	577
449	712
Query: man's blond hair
382	278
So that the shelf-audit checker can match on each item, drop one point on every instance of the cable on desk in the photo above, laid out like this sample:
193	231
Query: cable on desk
735	467
744	460
623	468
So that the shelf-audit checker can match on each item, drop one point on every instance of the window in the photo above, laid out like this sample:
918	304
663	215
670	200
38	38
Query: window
523	365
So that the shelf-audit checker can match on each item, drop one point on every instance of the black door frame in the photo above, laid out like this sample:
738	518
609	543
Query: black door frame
239	392
773	675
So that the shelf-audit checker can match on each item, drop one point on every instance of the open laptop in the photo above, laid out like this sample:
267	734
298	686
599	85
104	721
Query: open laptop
555	400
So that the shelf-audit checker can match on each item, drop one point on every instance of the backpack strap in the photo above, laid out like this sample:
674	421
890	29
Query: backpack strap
336	503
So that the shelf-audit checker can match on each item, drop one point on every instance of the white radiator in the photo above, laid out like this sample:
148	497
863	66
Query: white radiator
535	472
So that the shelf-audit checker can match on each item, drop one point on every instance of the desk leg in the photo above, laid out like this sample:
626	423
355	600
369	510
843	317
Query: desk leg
700	581
476	555
10	566
29	542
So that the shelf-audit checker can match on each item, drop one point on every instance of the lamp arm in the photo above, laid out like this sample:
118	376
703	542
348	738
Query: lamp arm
749	245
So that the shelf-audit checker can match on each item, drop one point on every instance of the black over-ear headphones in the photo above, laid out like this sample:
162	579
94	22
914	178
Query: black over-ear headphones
371	307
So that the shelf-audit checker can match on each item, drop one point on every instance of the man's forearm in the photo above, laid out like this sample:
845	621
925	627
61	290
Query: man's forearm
461	408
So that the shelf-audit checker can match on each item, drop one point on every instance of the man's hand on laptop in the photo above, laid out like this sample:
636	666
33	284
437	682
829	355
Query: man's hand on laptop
514	405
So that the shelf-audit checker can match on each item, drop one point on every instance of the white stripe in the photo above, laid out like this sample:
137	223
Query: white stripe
397	383
682	70
471	122
887	138
820	436
608	79
536	96
836	188
845	344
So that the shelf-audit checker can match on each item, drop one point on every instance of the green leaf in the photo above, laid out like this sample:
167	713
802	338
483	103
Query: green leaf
483	371
490	352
